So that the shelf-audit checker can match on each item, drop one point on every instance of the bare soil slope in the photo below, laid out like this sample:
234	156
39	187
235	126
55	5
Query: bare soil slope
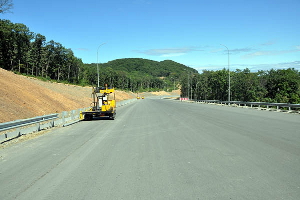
22	97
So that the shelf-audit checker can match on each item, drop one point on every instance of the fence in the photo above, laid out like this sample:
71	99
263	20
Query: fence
13	129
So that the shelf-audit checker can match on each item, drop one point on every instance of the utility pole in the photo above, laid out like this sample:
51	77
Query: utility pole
228	73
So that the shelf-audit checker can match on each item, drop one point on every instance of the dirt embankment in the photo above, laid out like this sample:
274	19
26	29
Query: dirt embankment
24	97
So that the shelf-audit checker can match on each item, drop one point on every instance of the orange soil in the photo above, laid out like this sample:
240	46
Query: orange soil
23	97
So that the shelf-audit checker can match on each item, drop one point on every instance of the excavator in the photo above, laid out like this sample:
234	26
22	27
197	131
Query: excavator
103	105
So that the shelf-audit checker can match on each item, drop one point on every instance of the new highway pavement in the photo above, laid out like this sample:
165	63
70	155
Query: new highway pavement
160	149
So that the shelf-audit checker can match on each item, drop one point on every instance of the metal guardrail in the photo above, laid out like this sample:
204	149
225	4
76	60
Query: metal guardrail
124	102
13	129
25	122
251	104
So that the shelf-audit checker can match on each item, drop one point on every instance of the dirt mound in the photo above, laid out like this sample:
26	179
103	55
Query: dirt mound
22	97
163	93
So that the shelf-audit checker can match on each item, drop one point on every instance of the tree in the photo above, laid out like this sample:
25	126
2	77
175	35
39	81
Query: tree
5	6
246	86
6	41
14	44
38	54
22	38
283	85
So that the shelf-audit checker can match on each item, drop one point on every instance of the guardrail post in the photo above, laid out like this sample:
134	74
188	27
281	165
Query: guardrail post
38	126
19	133
52	123
63	117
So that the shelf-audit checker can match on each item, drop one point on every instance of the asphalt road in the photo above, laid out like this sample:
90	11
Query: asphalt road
160	149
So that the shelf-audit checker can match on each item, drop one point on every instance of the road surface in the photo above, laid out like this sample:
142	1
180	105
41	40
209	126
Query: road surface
160	149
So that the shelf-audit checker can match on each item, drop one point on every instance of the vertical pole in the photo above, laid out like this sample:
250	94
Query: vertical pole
228	74
188	86
97	65
191	87
229	88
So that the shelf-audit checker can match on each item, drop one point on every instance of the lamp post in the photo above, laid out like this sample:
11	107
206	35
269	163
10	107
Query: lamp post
188	86
188	83
228	73
97	63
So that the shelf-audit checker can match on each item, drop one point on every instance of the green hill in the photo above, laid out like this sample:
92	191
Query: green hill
138	74
28	53
149	67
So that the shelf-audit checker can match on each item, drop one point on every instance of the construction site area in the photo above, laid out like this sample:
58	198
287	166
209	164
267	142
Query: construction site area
25	97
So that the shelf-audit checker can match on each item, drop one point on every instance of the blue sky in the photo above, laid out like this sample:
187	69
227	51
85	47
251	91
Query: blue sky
260	34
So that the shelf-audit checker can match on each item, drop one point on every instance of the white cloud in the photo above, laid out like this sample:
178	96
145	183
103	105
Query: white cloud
217	50
286	65
241	50
172	54
270	53
258	53
168	52
268	43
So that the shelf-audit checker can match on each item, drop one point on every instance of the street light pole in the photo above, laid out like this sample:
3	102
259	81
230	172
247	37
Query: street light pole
188	86
228	73
191	86
97	63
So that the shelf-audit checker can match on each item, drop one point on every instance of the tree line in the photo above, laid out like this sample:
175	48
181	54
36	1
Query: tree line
275	85
29	53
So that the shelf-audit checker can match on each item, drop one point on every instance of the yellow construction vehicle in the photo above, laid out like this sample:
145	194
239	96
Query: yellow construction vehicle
103	105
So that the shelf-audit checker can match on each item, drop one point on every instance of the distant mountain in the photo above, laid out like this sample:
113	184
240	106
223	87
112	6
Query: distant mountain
164	68
138	74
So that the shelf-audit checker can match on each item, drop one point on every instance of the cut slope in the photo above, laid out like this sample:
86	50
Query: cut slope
22	97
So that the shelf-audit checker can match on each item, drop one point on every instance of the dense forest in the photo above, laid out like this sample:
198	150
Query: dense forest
280	85
28	53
